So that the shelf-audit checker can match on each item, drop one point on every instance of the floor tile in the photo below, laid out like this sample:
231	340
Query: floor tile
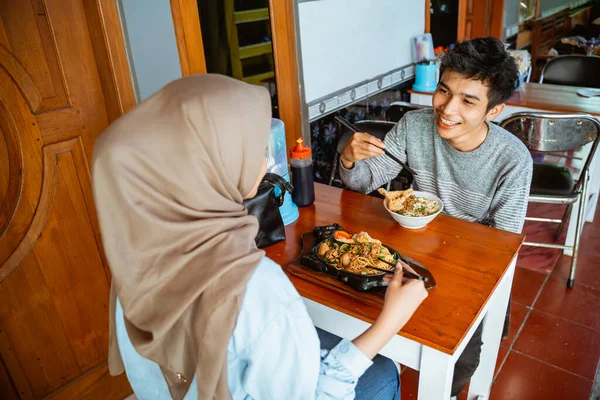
518	313
561	343
579	304
523	378
526	286
539	258
545	210
590	239
587	272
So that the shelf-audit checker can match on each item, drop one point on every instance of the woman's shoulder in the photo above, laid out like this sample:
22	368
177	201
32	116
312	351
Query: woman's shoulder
269	297
270	280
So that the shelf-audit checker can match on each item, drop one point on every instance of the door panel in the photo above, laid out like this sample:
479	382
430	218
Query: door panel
54	279
32	45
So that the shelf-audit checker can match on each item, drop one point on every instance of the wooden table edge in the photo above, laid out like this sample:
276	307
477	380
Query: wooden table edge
427	343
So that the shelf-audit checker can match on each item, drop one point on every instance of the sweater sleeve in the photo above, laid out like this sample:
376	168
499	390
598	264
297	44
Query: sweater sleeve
509	204
367	175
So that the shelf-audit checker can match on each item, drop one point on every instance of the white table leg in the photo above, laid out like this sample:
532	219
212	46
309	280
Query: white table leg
435	378
493	323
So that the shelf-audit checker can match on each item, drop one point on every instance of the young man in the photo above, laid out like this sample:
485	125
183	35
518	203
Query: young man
481	172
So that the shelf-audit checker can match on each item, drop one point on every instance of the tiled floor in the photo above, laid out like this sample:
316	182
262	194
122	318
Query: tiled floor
553	349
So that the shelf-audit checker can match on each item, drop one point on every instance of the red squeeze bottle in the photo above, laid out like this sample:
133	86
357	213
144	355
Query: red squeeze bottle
302	174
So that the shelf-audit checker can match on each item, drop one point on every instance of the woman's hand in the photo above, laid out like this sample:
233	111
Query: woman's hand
360	146
401	301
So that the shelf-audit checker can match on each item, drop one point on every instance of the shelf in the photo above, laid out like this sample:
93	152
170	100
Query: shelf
257	79
259	14
255	50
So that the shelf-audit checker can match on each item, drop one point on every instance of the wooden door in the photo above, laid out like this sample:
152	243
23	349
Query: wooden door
59	90
480	19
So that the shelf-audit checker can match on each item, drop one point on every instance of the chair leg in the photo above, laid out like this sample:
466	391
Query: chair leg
578	229
333	168
565	218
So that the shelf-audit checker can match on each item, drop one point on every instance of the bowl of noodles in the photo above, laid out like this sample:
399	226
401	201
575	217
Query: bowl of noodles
412	209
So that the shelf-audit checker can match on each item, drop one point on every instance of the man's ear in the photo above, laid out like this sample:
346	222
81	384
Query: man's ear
494	112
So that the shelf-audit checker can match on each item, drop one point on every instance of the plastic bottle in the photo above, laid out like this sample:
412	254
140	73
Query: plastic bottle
302	174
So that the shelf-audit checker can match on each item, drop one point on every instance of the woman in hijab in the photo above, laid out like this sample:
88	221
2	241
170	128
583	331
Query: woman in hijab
197	311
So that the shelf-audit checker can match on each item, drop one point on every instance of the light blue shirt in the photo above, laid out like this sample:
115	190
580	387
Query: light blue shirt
274	352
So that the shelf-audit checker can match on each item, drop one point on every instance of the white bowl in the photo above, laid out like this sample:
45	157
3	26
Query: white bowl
416	222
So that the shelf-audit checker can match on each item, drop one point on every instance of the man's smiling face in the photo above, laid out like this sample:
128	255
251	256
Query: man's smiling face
460	109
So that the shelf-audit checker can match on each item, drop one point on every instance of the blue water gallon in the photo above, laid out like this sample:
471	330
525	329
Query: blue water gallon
277	163
426	77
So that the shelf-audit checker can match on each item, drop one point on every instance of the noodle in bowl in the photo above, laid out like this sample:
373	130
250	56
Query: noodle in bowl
425	203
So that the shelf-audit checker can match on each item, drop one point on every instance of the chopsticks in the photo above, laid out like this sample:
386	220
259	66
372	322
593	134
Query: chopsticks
355	129
406	273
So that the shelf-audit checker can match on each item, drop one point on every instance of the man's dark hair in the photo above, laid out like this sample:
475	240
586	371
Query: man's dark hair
485	60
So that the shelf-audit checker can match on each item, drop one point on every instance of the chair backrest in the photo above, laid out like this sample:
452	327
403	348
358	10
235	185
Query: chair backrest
397	109
554	132
572	70
376	128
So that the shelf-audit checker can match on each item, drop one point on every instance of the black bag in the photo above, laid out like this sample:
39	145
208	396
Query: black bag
265	207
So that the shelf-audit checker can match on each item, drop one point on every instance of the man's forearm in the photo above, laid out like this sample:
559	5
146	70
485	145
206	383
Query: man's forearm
358	177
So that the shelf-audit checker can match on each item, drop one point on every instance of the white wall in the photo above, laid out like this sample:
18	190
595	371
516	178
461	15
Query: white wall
151	44
344	42
511	17
550	7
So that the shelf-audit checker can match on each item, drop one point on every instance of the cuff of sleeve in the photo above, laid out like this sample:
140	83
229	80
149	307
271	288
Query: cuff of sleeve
344	168
350	356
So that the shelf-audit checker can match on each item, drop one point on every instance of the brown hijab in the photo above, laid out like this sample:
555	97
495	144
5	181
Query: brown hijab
169	180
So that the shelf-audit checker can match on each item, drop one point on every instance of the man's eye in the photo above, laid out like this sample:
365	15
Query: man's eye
470	103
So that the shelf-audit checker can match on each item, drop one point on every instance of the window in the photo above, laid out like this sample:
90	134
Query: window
527	10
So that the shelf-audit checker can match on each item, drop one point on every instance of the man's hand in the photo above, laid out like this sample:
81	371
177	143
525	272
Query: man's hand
360	146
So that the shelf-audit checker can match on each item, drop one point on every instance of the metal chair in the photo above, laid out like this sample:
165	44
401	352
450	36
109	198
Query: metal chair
553	183
572	70
379	129
397	109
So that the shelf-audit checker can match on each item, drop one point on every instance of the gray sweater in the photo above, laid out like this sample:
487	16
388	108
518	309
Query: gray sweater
493	179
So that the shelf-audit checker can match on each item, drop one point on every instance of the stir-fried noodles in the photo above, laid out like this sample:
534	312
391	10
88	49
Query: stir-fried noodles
356	253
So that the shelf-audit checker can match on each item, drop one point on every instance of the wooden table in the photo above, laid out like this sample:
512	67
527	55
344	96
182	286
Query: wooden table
472	264
543	97
551	98
555	98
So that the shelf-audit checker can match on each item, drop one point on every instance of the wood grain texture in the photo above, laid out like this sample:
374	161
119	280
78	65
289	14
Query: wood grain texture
24	81
427	16
467	260
7	389
189	36
545	33
33	45
11	164
44	206
98	384
555	98
286	68
106	35
497	19
63	78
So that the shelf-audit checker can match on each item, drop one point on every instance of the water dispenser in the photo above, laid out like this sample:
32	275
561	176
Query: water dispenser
277	163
